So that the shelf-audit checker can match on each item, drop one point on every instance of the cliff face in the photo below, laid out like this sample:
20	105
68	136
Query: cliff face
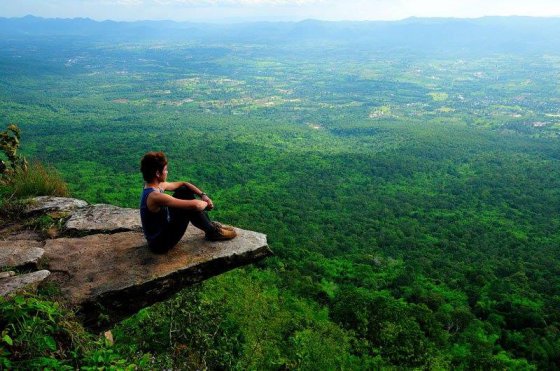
102	265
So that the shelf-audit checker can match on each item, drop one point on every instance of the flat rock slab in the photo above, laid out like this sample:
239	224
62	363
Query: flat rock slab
103	218
11	285
113	276
19	233
20	253
45	204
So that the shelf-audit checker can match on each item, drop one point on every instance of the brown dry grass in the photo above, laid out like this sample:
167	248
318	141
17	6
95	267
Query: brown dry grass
38	180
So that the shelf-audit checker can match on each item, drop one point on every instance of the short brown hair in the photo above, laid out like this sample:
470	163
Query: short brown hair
151	163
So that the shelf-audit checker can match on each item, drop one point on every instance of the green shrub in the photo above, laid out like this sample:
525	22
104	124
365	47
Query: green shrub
9	145
36	333
18	179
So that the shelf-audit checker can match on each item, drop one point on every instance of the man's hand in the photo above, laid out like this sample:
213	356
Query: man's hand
207	199
201	205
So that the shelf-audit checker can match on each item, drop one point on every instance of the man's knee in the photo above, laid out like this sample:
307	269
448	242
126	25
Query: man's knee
184	193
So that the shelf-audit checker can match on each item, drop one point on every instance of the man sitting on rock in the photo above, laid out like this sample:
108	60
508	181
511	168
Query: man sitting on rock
165	218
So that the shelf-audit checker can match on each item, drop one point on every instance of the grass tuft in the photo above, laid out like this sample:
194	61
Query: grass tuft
38	180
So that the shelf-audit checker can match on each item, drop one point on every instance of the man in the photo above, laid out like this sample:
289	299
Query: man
165	218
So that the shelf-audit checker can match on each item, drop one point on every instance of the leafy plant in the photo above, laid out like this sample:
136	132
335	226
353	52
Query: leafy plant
36	333
9	144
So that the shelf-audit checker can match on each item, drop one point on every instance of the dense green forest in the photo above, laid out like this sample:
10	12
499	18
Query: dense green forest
412	198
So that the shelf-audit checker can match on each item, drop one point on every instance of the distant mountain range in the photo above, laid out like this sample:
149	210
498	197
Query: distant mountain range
501	34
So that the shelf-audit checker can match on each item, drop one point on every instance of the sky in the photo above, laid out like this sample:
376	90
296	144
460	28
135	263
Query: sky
274	10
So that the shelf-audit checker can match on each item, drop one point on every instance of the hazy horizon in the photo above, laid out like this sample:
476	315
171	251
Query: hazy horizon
274	10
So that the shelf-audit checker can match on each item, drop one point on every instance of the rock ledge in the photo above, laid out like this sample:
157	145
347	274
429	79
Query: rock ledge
110	274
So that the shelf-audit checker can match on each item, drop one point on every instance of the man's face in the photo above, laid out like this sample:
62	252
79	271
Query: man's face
163	176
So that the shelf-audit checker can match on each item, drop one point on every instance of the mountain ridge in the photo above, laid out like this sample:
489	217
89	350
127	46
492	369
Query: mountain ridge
515	33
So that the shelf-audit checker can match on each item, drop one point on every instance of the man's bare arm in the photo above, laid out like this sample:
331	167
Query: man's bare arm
157	200
172	186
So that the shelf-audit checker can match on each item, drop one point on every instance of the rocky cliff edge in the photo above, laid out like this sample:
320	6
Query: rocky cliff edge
99	261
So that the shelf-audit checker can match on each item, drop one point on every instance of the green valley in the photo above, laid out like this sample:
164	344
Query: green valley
411	195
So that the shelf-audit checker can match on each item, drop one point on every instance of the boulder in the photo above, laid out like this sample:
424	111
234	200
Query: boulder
46	204
20	254
110	277
12	285
102	218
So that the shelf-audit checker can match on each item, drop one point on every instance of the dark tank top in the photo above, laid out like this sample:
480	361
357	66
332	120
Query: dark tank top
152	223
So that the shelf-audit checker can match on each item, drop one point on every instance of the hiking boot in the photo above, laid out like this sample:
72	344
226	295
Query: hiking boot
224	226
220	234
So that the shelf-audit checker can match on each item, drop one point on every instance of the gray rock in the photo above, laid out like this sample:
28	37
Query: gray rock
102	218
20	234
27	281
20	254
110	277
7	274
45	204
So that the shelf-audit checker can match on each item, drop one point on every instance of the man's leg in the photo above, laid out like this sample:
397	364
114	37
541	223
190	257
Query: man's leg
177	224
199	219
